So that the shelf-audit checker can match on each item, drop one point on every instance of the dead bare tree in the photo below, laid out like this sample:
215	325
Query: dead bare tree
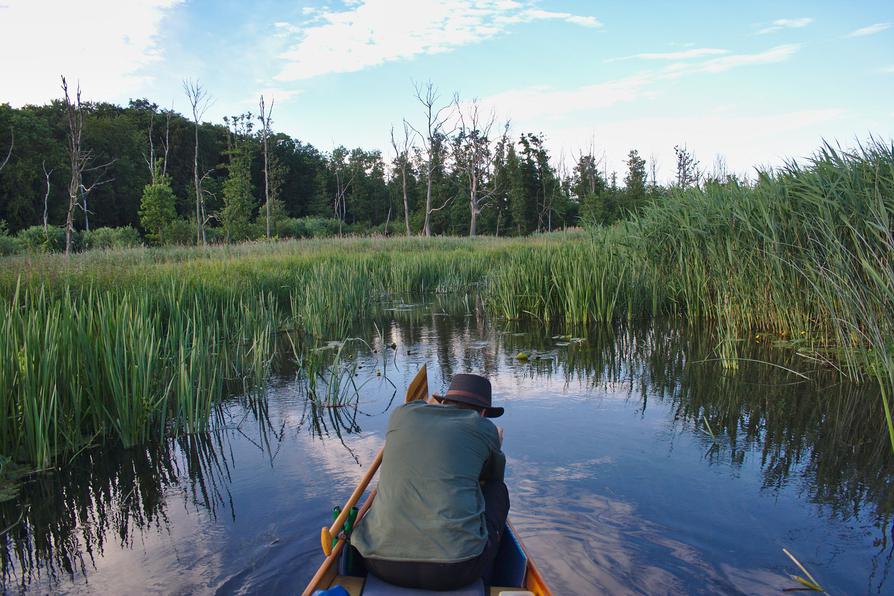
77	157
79	162
342	184
46	198
473	153
402	157
265	118
150	159
436	120
12	142
167	142
721	171
199	101
158	170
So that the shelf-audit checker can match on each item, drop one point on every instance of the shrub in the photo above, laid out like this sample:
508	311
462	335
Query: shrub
179	231
290	227
306	227
215	235
395	228
106	238
322	227
256	230
8	244
36	239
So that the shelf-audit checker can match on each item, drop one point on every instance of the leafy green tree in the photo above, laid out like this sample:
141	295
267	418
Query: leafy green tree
519	193
688	172
158	207
237	196
635	181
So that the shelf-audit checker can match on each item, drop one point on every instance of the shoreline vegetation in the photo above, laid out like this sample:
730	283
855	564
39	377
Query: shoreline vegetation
128	344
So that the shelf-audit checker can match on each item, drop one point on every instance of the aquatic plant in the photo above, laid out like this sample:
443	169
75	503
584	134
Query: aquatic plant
136	342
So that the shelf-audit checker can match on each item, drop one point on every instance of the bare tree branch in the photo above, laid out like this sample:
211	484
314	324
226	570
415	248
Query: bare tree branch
266	118
78	158
473	153
434	132
402	156
46	197
12	142
199	101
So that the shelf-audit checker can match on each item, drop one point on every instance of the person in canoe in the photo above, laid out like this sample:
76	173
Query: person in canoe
442	505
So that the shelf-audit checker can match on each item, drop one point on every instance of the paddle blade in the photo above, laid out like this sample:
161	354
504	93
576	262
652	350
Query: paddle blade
326	541
418	388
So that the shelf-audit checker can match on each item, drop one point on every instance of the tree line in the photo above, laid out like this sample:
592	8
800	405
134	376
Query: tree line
73	166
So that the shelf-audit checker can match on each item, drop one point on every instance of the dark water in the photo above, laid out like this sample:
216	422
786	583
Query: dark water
617	483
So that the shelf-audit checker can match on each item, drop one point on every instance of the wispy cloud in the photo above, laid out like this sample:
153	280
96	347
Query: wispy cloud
542	101
272	94
546	102
112	46
724	63
780	24
869	30
535	14
373	32
679	55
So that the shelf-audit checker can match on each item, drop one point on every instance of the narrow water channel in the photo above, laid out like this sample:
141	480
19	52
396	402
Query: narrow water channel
636	464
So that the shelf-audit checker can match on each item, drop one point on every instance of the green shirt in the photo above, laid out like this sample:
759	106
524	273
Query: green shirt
429	505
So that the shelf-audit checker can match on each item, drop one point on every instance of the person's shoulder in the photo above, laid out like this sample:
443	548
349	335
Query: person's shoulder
487	427
406	408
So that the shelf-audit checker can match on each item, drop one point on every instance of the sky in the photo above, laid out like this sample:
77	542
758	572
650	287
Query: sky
755	83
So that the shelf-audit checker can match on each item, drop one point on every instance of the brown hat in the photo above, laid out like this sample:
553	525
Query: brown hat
473	390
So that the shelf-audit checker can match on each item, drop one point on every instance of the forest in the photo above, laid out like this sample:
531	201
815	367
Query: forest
137	167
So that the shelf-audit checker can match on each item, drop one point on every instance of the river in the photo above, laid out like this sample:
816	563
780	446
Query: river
636	464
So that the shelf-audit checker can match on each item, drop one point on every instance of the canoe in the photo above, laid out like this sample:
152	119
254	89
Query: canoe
514	569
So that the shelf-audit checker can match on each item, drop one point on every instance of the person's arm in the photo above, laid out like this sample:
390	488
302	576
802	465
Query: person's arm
495	466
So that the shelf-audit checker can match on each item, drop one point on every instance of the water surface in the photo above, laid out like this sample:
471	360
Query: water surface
636	464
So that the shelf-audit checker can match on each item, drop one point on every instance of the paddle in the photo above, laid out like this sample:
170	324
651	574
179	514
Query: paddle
417	390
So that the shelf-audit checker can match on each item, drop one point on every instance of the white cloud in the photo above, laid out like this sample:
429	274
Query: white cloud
724	63
544	102
869	30
679	55
536	14
104	44
548	103
780	24
372	32
887	69
278	95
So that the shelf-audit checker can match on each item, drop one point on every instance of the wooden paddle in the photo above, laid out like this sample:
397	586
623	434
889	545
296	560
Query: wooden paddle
417	390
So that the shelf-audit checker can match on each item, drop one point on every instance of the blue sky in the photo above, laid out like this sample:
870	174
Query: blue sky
753	82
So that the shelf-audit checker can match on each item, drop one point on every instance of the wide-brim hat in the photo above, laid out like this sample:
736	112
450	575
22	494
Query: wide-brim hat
473	390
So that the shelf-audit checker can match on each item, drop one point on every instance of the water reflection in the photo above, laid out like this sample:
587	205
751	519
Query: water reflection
63	521
632	460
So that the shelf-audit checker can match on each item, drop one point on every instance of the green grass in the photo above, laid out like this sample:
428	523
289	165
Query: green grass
134	343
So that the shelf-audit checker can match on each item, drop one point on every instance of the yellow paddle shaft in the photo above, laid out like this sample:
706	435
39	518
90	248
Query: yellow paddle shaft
326	534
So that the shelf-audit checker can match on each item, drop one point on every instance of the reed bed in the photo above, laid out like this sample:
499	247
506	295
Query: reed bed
133	343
